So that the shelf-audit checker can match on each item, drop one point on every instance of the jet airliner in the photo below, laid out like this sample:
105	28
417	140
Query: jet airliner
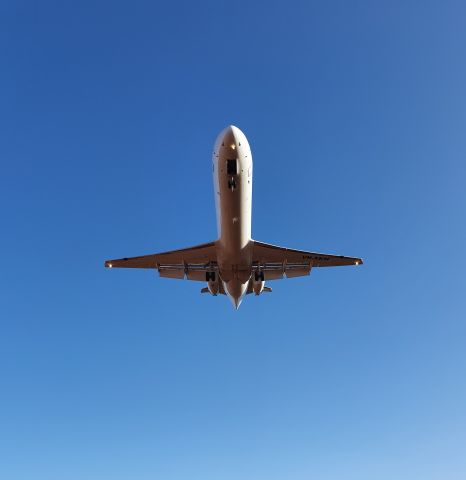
234	265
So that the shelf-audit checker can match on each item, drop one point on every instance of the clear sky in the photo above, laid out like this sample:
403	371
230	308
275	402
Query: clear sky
356	114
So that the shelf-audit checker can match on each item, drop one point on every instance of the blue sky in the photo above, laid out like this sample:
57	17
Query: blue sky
355	113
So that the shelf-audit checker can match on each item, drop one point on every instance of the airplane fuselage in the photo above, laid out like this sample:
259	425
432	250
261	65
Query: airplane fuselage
232	175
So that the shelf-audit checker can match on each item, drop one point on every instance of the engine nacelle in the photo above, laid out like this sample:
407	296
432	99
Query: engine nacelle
213	287
258	286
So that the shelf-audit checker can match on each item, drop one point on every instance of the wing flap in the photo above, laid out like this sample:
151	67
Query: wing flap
172	273
302	271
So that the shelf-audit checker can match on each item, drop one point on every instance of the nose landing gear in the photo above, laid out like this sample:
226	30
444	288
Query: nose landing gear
232	184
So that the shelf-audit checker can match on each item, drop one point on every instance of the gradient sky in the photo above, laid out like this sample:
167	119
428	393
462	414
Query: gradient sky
356	114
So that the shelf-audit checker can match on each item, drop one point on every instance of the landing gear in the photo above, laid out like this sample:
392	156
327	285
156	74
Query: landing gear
232	184
212	283
259	276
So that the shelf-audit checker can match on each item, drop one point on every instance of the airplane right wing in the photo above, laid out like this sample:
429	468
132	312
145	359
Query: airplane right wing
191	263
277	262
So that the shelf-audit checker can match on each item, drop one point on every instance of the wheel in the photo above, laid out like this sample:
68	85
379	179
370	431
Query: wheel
259	276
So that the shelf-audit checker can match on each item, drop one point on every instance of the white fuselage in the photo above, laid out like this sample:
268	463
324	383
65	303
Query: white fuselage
232	175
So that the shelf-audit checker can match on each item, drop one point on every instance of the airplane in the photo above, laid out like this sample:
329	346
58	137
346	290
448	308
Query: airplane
234	265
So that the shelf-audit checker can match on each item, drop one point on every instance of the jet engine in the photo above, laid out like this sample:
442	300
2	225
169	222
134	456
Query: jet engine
258	286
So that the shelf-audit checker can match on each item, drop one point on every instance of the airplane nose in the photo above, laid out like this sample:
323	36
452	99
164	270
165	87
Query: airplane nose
231	130
230	135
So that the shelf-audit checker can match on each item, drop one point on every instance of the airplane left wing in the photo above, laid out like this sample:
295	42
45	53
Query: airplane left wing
276	262
191	263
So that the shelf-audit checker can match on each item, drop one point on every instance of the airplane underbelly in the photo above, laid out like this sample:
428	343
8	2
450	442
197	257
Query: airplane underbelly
235	255
232	169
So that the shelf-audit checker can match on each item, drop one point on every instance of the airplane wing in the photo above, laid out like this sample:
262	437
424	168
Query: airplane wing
277	262
191	263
